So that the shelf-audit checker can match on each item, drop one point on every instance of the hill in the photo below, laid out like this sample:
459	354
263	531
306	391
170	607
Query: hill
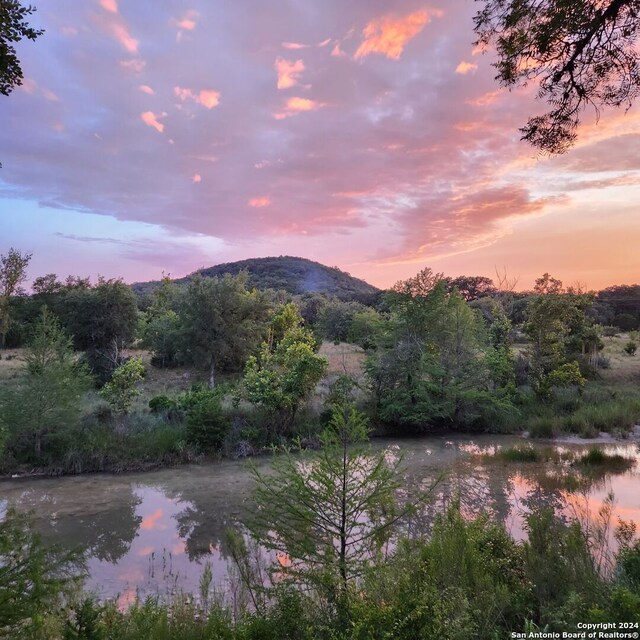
288	273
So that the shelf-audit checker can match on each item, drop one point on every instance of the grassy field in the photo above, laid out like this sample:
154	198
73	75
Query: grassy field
11	364
343	359
623	367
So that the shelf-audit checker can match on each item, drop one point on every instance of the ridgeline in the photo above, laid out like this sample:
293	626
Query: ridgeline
296	276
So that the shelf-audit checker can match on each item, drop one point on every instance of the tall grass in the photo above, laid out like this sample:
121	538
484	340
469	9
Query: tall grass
597	411
598	457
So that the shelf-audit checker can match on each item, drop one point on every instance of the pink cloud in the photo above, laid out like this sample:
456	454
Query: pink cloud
337	52
122	35
296	105
29	86
196	178
50	95
288	72
69	31
388	35
485	99
324	43
294	45
466	67
136	65
145	88
183	94
207	97
262	201
188	21
151	120
474	218
109	5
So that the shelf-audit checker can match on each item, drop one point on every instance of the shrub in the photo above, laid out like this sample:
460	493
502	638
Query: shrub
207	423
589	431
162	403
543	427
33	578
630	348
121	391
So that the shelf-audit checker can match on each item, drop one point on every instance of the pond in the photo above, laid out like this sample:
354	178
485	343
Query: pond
152	533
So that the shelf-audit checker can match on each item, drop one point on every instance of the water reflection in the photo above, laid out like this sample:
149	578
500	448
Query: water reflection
152	533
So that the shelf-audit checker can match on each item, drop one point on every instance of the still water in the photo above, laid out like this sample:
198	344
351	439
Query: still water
152	533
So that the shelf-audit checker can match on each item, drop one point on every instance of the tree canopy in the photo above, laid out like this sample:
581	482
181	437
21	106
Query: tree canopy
13	272
581	52
13	28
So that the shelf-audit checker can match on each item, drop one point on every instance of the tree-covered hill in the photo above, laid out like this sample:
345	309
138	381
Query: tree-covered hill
291	274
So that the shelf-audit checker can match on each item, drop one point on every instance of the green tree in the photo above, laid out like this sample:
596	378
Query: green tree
336	318
556	326
47	397
472	287
580	52
160	330
34	579
13	271
501	361
433	365
47	285
121	390
286	371
222	322
366	328
13	28
102	320
330	514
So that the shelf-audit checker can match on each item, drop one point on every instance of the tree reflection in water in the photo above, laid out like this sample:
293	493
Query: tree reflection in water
143	530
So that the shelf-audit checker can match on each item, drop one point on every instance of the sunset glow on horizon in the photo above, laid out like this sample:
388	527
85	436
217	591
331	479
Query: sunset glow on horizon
370	135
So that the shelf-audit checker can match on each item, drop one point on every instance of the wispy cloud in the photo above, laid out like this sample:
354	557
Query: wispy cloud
135	65
294	45
118	30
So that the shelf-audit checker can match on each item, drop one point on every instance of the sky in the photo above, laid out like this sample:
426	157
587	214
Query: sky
371	135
